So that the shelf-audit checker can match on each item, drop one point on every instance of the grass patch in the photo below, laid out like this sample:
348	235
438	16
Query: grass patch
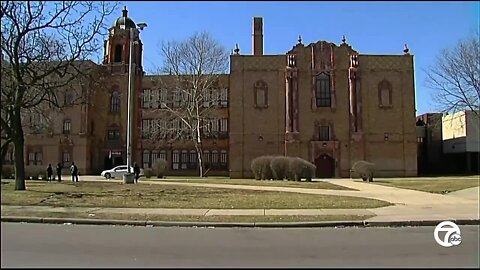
252	182
151	217
111	194
433	185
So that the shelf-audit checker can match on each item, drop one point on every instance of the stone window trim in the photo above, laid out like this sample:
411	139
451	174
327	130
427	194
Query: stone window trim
67	126
323	93
385	85
260	87
323	125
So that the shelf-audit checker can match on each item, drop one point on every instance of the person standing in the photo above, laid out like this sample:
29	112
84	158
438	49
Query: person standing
49	173
136	171
59	172
74	171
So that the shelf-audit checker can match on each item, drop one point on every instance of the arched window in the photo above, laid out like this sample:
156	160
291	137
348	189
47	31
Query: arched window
118	54
115	102
223	158
193	160
214	159
163	155
154	156
260	91
385	94
322	90
184	159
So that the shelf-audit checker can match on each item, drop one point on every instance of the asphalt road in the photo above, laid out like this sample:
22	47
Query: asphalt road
43	245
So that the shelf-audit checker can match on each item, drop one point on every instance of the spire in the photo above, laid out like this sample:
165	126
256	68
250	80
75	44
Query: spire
344	40
237	49
299	39
125	11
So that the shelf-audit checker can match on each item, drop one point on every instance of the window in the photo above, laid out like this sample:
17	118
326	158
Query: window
224	125
176	159
115	102
68	98
113	135
146	98
146	159
214	159
66	157
67	126
154	156
38	158
206	158
223	158
163	155
10	157
385	94
193	160
184	160
163	98
322	90
214	124
177	97
260	94
146	125
31	158
324	133
214	97
118	54
206	98
224	97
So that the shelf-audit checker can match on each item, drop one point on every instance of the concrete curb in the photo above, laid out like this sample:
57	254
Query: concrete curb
338	224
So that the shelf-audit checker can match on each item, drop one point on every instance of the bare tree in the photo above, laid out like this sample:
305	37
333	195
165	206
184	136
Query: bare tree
45	45
456	77
185	103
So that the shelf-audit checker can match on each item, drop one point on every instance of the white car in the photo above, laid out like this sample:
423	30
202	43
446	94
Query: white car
118	172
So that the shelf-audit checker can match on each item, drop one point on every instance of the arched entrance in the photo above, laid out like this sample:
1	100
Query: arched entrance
325	166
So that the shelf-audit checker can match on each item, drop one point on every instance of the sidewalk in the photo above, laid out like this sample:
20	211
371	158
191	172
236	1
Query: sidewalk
411	206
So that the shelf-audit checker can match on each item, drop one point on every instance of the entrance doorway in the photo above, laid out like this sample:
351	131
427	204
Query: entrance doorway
325	166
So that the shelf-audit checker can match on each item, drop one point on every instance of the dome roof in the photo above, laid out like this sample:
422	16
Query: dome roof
124	21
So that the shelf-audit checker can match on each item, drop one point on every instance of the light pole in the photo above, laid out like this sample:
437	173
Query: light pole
128	178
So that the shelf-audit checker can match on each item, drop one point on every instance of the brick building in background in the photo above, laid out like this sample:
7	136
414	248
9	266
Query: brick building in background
323	102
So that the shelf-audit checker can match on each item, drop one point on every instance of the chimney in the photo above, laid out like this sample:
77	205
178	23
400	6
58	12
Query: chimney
257	36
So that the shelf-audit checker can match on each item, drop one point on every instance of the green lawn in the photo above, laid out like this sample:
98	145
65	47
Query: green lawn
434	185
272	218
111	194
252	182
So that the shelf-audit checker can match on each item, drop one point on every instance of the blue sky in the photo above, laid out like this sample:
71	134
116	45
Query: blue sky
370	27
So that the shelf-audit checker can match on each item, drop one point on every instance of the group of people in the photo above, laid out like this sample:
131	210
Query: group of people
73	171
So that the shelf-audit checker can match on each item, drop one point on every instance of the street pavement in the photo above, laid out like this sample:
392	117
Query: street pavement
47	245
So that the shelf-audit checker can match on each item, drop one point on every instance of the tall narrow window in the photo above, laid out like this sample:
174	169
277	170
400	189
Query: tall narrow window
118	54
193	160
66	157
206	98
31	158
176	159
260	94
184	160
67	126
68	98
324	133
154	156
163	98
115	102
146	98
146	159
224	97
322	90
223	158
206	158
214	160
163	155
177	97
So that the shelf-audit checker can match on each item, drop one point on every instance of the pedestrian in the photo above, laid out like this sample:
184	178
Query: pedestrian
49	173
74	171
59	172
136	171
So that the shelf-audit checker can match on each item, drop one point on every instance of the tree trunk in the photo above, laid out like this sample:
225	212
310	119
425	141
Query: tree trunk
18	142
200	158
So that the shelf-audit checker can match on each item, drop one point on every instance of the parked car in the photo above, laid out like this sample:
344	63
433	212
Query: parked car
118	172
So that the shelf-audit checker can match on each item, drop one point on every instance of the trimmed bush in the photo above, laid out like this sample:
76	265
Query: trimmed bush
148	172
8	172
280	167
261	168
159	167
364	170
300	168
